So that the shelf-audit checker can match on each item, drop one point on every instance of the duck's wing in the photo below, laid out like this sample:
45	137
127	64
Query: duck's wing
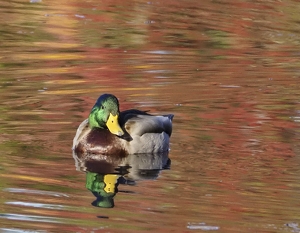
83	129
127	114
137	124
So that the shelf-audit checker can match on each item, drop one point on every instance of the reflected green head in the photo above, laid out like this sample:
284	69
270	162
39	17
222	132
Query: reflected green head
106	104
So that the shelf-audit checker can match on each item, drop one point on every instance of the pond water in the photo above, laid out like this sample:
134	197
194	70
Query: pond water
228	71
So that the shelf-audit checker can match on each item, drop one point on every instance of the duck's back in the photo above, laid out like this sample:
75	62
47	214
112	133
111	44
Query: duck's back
148	133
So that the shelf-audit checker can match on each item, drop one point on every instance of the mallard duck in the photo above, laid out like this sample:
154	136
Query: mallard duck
108	131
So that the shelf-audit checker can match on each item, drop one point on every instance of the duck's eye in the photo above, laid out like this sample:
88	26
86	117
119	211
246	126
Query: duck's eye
102	107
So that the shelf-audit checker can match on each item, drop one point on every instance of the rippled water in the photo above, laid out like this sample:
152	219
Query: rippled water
227	70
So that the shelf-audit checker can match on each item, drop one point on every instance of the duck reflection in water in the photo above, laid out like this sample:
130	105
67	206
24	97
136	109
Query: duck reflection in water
104	175
111	145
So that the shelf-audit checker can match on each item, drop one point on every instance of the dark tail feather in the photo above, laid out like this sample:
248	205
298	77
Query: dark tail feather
170	116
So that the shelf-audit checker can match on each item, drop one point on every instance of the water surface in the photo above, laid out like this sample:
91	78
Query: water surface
227	70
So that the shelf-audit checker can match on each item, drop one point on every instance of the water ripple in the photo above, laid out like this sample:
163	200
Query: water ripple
10	230
48	193
202	226
36	205
31	218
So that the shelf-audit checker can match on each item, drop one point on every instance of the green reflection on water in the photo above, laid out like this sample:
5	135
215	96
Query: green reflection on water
218	39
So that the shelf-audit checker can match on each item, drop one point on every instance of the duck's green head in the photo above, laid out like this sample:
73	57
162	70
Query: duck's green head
105	114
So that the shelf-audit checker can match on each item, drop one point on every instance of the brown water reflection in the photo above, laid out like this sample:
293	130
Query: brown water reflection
227	70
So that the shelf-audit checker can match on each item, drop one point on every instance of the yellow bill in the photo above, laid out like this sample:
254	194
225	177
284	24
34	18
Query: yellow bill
110	181
113	125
